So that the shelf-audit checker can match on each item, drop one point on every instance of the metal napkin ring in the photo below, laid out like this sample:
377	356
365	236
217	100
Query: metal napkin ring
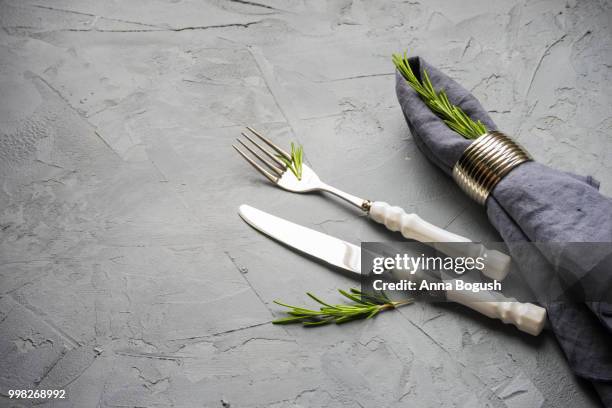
485	162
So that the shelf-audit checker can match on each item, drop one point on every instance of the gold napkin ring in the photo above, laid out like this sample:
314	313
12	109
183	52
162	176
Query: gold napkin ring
485	162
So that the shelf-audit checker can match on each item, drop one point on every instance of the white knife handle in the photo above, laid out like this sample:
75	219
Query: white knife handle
414	227
527	317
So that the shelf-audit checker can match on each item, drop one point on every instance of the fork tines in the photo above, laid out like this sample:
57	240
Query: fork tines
277	167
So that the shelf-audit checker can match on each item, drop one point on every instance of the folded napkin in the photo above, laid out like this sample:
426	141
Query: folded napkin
534	203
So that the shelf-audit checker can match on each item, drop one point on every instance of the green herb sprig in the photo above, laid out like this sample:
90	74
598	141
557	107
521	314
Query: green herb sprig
295	164
365	306
438	102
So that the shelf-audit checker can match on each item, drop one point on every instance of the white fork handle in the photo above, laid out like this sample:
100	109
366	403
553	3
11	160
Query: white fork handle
527	317
497	264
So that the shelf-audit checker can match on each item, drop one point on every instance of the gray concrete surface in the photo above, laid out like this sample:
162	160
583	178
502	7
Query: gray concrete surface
126	276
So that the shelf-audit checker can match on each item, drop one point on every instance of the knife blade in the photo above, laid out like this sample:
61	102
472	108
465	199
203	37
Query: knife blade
526	317
332	250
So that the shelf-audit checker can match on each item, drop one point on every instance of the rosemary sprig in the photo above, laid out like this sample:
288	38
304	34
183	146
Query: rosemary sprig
438	102
365	306
295	164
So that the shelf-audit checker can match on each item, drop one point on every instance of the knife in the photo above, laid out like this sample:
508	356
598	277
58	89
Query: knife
527	317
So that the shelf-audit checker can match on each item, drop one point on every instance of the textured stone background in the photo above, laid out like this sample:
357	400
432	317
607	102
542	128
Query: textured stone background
126	276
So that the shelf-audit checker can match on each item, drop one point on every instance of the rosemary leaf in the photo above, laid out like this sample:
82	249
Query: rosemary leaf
288	320
295	163
355	298
454	117
372	314
318	323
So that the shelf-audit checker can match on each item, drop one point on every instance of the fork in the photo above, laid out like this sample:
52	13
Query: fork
411	226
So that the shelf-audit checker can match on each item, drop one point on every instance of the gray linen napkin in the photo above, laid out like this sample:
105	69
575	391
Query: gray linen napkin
538	204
